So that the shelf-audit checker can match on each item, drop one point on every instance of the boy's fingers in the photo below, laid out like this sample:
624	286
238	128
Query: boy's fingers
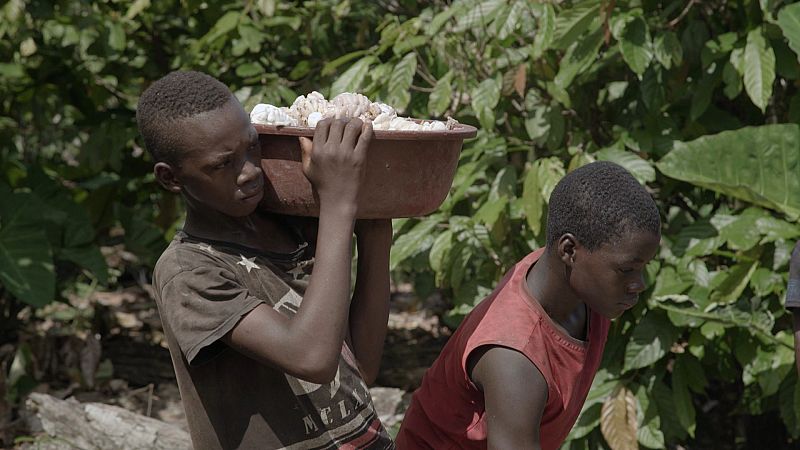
306	147
364	139
337	129
351	132
322	130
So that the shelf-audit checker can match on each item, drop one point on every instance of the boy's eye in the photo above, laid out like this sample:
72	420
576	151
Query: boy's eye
222	164
625	270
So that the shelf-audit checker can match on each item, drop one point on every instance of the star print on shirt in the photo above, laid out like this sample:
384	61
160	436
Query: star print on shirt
207	248
297	272
248	263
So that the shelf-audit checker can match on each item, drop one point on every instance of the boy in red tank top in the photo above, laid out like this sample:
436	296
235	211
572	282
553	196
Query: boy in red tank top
517	371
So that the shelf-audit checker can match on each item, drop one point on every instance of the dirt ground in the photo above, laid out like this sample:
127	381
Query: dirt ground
109	347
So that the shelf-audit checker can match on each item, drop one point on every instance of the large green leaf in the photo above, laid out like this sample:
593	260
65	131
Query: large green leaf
756	164
789	21
759	69
26	258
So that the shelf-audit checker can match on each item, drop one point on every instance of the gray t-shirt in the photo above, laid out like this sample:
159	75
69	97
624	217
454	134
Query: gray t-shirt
203	288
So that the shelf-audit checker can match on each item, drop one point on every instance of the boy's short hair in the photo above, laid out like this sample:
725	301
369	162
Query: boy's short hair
176	96
599	202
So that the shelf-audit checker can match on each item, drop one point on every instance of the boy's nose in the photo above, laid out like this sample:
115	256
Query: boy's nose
250	173
638	286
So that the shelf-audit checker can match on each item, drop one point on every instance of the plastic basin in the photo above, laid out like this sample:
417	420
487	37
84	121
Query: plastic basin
408	173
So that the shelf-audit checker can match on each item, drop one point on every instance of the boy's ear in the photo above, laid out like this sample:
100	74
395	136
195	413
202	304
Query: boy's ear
165	175
567	244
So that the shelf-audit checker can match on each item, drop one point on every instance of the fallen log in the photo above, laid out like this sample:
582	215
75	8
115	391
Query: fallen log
100	426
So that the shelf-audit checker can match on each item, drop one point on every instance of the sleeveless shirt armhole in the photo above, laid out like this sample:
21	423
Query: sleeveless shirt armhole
509	345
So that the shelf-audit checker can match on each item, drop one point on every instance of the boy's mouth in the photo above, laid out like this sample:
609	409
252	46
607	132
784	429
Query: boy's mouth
251	194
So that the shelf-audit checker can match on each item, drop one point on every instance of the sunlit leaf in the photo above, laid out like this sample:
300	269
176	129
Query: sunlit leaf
755	164
789	21
759	69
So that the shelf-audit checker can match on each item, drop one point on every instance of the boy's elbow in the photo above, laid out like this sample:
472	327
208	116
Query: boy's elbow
369	375
319	370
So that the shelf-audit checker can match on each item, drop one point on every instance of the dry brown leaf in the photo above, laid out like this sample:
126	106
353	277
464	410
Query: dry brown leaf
520	79
618	420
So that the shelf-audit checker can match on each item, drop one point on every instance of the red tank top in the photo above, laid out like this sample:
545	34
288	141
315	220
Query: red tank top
447	411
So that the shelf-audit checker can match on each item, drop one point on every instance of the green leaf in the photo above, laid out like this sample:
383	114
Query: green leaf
731	289
491	211
439	251
441	18
88	257
223	26
789	21
352	79
635	45
400	82
732	80
416	240
704	91
484	100
649	431
506	21
682	398
533	203
651	340
755	164
578	58
136	8
441	97
641	169
759	69
330	67
479	16
545	32
26	260
249	69
539	182
402	46
572	23
116	36
667	49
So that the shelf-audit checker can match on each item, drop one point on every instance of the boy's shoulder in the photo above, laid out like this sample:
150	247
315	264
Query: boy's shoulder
184	254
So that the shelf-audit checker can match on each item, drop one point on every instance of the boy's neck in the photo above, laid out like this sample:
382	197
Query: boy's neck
547	283
254	230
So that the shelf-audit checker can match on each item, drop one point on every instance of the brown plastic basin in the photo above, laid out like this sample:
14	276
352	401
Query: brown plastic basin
408	173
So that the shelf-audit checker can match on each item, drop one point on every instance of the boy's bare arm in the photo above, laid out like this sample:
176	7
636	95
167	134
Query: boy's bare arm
515	395
309	344
369	310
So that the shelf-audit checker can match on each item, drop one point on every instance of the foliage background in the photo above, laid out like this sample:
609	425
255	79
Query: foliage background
698	99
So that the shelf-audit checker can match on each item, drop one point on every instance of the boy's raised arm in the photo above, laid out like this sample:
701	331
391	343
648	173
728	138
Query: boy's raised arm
308	345
513	408
369	310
